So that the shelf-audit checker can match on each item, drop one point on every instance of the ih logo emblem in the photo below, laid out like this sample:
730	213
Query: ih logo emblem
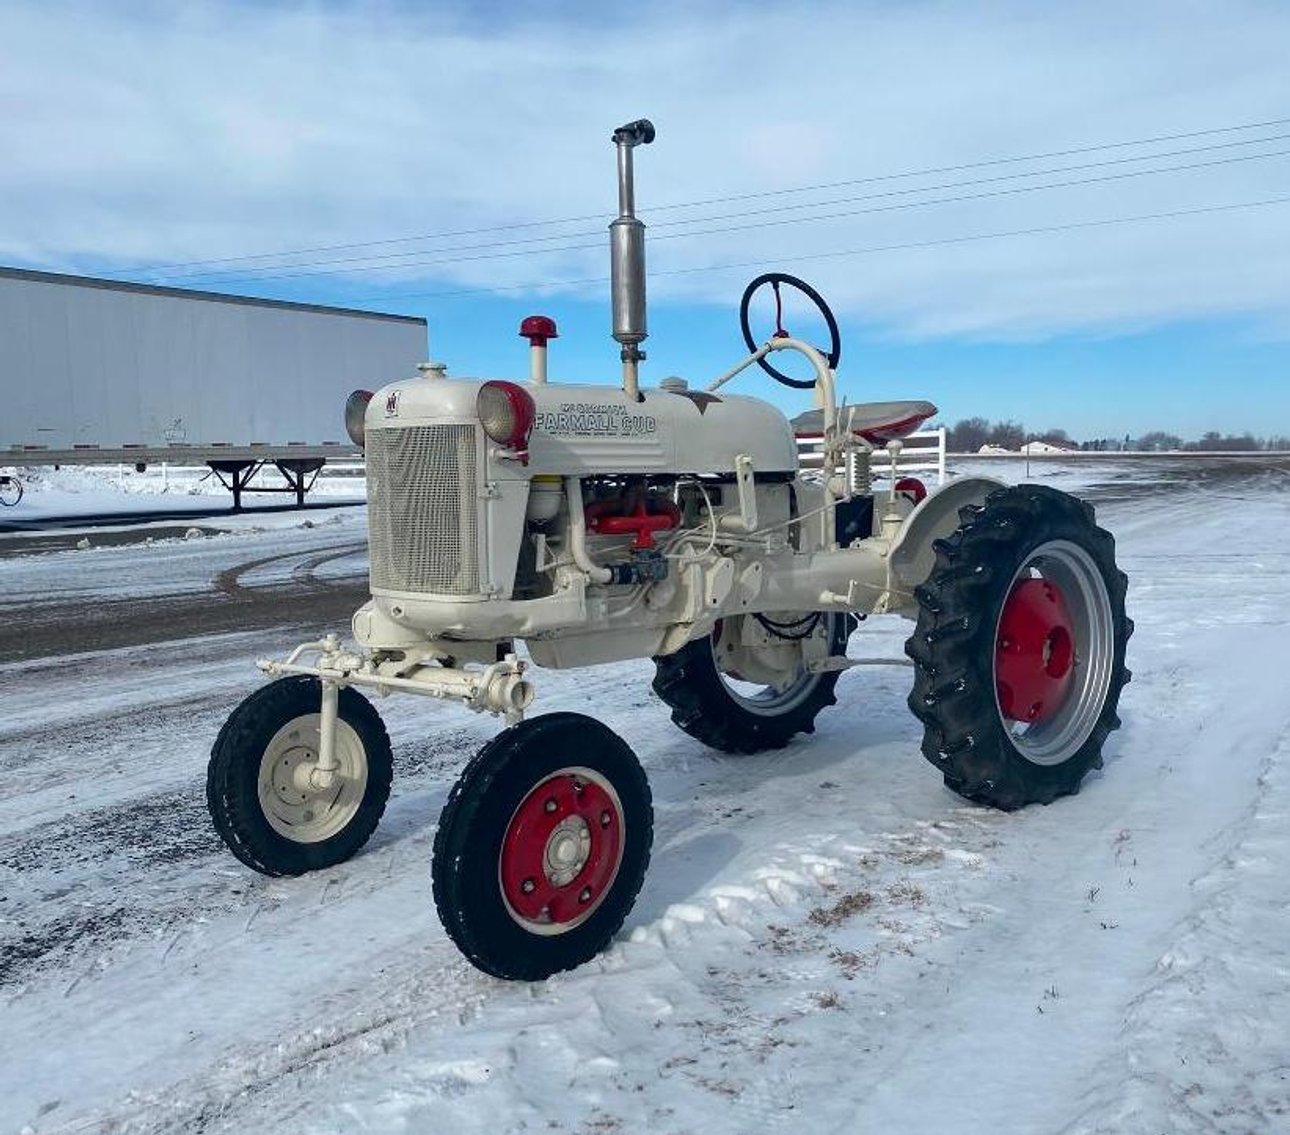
392	404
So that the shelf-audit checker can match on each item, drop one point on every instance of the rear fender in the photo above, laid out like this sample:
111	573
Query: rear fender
912	554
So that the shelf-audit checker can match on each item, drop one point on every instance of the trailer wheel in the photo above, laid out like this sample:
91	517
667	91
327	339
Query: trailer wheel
258	788
714	702
542	847
1019	648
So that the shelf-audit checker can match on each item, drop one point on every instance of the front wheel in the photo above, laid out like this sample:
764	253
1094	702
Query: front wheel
265	800
10	491
542	847
1019	648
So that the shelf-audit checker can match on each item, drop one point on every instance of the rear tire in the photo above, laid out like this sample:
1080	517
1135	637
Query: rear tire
708	705
1019	648
271	819
542	847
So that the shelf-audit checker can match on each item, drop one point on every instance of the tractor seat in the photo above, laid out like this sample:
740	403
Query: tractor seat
876	422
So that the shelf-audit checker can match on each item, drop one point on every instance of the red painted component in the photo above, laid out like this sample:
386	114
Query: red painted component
537	329
607	518
1034	660
523	414
522	865
912	485
893	431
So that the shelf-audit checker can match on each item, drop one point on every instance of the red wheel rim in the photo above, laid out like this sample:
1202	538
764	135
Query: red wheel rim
1034	661
561	851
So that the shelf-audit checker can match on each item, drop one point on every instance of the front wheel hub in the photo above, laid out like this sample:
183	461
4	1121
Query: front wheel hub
1034	652
561	851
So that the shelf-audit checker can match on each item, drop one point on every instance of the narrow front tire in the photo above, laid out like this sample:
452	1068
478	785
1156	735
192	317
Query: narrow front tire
265	799
542	847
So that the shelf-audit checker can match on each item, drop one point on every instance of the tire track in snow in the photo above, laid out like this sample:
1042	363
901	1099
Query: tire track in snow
1225	1071
799	945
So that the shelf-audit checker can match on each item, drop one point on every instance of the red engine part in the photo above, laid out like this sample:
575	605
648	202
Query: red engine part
610	518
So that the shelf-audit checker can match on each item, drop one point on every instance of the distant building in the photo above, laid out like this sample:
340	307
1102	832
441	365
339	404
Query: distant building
1035	448
995	450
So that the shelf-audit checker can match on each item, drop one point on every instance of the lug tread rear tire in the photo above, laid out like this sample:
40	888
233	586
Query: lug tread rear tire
689	682
952	646
232	778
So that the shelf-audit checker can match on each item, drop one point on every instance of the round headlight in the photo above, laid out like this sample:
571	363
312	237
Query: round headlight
506	411
355	411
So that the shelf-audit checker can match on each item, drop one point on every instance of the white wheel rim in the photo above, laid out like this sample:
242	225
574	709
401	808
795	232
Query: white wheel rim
294	805
1075	574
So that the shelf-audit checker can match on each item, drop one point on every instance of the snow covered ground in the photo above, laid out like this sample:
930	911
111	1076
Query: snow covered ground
827	940
162	488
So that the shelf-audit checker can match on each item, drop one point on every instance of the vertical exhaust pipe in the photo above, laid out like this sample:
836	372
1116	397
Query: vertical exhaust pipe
627	257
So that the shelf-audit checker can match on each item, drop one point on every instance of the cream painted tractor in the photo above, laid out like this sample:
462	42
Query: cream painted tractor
603	523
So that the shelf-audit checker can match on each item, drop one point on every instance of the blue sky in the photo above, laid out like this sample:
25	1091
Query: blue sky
142	137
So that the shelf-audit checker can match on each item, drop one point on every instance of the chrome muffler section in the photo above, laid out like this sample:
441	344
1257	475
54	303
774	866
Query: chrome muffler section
627	256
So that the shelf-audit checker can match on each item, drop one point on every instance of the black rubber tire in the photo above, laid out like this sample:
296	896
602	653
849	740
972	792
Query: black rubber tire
953	646
468	844
232	778
702	705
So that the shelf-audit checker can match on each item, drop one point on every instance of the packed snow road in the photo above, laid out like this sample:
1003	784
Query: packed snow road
827	940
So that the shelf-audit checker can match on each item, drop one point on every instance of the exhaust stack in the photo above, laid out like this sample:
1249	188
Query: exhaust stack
627	256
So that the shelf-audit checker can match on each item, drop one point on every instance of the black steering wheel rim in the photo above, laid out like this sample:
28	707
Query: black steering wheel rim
775	279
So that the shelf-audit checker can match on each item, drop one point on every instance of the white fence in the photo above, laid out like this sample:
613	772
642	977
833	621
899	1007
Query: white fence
922	452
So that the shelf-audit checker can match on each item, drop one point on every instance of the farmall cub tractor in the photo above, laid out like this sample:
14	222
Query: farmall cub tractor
603	523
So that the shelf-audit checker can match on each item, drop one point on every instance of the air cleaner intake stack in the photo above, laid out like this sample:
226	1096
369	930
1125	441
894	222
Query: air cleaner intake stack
627	256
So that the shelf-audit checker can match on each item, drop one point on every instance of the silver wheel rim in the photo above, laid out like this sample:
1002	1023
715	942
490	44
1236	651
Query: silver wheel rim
1074	573
764	700
294	805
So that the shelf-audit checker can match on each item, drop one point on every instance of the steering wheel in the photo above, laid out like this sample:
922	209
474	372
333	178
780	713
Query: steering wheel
775	279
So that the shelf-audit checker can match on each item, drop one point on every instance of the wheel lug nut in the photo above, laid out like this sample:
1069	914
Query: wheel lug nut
605	819
585	895
528	886
550	805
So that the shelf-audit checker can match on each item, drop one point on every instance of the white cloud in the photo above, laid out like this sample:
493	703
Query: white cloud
209	130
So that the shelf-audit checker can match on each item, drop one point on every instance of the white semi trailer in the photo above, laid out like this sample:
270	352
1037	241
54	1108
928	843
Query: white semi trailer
100	371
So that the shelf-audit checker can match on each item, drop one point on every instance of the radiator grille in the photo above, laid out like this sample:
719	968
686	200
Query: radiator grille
423	509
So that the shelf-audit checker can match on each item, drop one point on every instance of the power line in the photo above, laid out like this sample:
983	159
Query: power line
870	250
929	171
390	258
958	199
988	180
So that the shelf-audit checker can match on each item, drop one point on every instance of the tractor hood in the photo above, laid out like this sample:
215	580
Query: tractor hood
589	430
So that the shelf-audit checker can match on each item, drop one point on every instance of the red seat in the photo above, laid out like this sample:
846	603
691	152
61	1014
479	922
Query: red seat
876	422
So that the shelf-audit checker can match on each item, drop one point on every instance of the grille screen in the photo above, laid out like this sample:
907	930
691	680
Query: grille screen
423	509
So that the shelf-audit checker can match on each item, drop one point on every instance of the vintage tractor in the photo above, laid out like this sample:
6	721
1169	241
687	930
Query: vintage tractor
602	523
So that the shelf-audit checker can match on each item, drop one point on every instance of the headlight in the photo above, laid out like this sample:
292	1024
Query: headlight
355	411
506	411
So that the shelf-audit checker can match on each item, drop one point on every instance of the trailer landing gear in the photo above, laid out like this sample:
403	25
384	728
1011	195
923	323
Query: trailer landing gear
300	474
